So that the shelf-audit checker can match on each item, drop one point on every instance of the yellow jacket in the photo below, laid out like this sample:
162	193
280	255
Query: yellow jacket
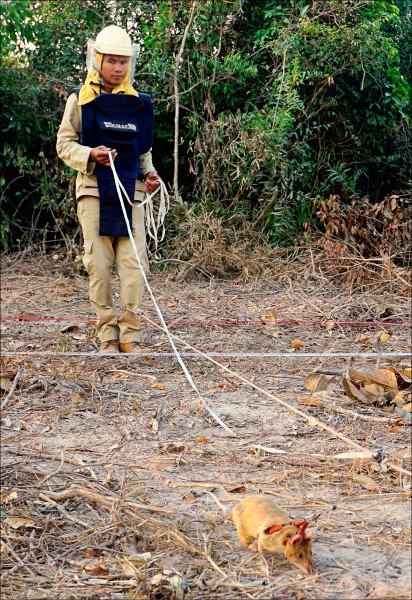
77	156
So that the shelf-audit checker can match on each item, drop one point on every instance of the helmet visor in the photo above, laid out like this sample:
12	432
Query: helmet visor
94	60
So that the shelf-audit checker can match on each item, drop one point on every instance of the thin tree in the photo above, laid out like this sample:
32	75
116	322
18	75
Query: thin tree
177	101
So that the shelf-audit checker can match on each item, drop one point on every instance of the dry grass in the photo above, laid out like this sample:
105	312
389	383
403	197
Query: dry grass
208	246
111	476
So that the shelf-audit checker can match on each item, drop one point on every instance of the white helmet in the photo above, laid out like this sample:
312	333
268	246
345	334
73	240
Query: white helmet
111	40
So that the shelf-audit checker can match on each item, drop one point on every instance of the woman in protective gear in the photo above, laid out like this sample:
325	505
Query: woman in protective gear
107	115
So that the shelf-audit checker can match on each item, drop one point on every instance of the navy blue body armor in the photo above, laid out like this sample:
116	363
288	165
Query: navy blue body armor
125	123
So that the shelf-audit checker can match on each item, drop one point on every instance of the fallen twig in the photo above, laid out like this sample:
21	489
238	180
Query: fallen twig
12	390
151	377
16	557
201	484
352	413
81	492
64	512
53	473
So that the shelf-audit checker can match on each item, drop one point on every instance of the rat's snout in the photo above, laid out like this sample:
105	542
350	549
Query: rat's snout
307	568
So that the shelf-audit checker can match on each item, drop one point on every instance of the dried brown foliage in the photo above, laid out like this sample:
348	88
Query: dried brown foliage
365	245
214	247
382	229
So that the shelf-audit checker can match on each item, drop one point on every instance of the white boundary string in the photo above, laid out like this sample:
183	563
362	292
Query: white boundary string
163	322
292	355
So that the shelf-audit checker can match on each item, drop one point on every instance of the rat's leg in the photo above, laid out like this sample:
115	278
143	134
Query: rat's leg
246	539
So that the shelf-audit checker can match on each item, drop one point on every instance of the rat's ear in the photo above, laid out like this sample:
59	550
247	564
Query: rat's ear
296	539
286	541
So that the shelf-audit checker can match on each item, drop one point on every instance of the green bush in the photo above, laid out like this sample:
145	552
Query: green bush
281	105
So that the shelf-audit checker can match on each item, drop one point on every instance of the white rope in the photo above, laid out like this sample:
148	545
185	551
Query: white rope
119	187
152	225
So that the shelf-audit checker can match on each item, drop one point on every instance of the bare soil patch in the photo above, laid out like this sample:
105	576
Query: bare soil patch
107	463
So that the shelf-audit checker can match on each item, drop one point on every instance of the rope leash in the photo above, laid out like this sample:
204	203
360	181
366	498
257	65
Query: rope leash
120	187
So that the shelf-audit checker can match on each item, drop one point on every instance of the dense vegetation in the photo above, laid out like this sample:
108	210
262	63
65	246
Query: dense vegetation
281	104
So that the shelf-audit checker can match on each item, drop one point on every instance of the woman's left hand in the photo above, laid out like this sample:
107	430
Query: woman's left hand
152	182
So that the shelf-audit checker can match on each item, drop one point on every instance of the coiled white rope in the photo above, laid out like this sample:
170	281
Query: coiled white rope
152	225
120	188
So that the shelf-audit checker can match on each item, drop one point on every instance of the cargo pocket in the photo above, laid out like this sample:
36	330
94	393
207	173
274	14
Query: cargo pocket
88	245
87	251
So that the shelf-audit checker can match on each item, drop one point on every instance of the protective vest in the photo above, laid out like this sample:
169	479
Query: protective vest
125	123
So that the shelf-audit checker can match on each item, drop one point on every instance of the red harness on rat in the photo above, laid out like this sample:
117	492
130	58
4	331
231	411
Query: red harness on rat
302	525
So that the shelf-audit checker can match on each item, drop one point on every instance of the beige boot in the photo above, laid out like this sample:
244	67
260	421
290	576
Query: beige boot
109	347
133	348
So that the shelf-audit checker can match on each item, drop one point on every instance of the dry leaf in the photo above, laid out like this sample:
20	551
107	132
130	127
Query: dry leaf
373	389
318	382
81	337
366	482
202	440
362	339
270	450
228	387
12	496
93	553
171	448
128	569
271	317
155	425
75	397
70	327
329	324
158	386
140	558
5	384
401	398
240	489
156	579
384	336
96	569
407	407
353	392
18	522
6	422
161	464
354	455
385	377
297	344
404	377
407	373
189	498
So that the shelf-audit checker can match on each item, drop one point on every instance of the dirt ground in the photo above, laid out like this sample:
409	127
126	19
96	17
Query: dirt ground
108	464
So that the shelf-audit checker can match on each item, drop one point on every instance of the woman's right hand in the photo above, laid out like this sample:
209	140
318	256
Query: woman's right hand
100	154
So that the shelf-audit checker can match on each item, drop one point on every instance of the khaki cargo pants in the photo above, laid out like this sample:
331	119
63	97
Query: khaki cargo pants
100	252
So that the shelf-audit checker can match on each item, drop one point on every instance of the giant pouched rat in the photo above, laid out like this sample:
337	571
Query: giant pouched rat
260	518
